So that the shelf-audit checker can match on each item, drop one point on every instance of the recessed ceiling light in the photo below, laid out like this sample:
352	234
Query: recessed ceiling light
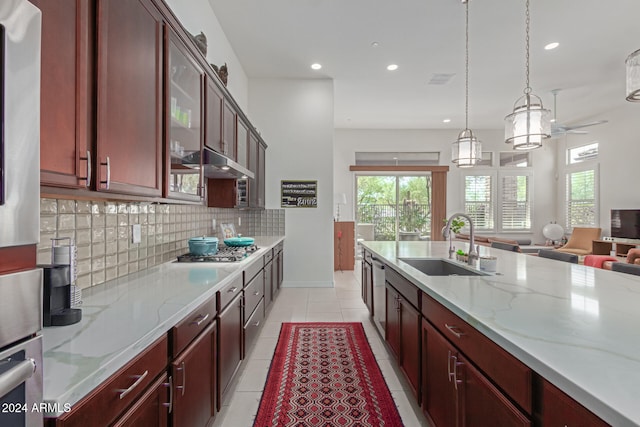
392	67
446	121
552	46
375	44
316	66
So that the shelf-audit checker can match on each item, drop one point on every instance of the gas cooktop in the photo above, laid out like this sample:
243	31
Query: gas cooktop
224	254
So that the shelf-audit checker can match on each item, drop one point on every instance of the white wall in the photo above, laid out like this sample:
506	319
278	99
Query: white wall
619	160
349	141
196	16
295	117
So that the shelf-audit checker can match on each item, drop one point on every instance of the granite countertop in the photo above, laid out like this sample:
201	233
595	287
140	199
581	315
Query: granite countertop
122	317
576	326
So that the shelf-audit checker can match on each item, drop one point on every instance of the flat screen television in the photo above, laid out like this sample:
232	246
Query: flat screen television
625	223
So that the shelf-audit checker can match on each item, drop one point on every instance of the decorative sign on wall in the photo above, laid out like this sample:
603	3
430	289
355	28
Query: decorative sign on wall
299	194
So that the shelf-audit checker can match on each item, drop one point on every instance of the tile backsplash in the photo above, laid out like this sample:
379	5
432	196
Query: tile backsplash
102	232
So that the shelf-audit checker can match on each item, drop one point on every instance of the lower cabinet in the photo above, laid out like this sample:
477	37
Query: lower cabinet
152	409
270	286
193	375
367	282
558	409
230	342
279	265
403	336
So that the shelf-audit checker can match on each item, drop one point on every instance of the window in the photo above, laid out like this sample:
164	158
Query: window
581	197
582	153
516	159
499	200
397	158
515	200
478	199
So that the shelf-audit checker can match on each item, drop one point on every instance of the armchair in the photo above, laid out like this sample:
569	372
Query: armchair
581	241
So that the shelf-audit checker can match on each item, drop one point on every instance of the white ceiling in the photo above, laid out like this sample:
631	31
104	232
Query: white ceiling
282	38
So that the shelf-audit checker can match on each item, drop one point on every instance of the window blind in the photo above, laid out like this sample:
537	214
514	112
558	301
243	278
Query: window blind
581	198
478	203
515	203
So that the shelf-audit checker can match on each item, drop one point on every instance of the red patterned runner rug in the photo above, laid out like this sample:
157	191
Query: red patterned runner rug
325	374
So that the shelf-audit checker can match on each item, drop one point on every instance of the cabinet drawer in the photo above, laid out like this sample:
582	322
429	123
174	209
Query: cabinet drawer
280	247
268	257
367	256
251	271
252	327
229	292
507	372
124	387
408	290
253	293
185	331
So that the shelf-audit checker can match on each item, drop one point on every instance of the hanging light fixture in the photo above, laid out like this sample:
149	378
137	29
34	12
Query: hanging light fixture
466	151
633	76
529	123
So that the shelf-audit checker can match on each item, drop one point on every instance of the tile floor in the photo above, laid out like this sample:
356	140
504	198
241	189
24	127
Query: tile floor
341	303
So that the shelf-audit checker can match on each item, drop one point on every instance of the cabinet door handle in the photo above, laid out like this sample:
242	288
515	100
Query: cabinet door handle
88	177
170	385
108	181
183	386
452	329
449	373
140	378
232	290
202	319
456	381
256	293
257	324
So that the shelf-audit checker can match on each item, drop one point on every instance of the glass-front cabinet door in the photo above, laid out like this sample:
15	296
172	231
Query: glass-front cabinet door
185	132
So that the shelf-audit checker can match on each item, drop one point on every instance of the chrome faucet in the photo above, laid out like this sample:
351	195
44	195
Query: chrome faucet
446	233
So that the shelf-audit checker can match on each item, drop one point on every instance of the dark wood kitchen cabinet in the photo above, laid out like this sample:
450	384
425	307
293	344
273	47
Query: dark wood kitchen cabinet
403	334
366	281
279	265
252	164
66	93
229	135
454	392
242	143
558	409
213	113
123	390
152	409
183	120
230	336
260	177
270	286
129	97
194	381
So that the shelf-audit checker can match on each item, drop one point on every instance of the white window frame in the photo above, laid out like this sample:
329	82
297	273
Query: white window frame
576	168
493	192
496	175
515	171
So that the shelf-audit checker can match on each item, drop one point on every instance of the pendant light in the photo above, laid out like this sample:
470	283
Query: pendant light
530	122
466	151
633	76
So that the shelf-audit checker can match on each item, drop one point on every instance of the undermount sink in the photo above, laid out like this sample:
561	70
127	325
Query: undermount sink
440	267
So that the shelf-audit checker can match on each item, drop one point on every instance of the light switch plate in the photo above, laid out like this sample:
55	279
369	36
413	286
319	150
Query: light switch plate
136	233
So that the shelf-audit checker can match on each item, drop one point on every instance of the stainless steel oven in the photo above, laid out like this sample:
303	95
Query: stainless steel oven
21	379
21	349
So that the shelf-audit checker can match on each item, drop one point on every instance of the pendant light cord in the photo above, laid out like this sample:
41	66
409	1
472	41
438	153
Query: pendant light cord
466	82
527	89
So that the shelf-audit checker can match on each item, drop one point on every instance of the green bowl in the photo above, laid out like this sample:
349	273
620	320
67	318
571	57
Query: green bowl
239	241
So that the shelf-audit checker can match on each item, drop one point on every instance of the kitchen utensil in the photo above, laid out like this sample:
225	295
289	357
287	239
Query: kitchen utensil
203	245
239	241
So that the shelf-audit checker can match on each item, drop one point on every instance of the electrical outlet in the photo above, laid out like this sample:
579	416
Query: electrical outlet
239	221
213	224
136	233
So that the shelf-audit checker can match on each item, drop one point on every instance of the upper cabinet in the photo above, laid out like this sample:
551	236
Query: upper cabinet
65	125
129	97
129	104
184	122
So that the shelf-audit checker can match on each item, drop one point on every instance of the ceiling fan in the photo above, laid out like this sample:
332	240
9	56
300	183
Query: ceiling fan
558	129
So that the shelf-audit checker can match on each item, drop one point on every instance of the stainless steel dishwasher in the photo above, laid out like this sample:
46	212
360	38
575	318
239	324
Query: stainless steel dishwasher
379	299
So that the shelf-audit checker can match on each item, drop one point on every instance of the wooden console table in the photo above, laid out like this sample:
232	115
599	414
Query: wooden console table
604	247
344	245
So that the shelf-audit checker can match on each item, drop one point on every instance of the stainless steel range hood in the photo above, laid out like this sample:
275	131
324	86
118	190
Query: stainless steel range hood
215	165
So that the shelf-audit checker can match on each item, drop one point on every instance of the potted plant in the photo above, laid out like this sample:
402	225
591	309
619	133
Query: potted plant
462	255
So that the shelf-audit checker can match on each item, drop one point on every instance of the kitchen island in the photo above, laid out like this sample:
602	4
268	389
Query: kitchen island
123	317
575	326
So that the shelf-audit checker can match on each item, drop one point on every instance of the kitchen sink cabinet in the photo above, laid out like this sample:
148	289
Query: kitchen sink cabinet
183	120
129	97
193	375
403	336
454	392
66	80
